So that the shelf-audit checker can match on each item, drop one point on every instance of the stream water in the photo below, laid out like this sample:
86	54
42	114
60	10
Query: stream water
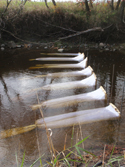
15	110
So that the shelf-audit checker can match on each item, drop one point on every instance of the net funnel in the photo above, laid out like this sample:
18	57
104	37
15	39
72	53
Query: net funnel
60	54
85	72
78	58
87	82
16	131
64	120
80	117
82	64
99	94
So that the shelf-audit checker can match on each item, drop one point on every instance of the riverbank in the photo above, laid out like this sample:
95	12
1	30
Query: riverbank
67	22
65	47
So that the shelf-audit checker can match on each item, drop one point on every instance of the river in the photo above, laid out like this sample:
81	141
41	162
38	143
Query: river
15	105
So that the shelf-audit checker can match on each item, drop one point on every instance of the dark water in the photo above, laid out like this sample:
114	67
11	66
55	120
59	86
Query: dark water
15	103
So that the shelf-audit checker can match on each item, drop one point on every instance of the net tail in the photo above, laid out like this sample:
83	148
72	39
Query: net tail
16	131
37	76
32	68
32	59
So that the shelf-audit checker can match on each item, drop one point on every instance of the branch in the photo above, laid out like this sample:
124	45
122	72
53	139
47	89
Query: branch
54	3
37	43
83	32
8	3
22	5
11	34
57	26
46	4
108	27
76	34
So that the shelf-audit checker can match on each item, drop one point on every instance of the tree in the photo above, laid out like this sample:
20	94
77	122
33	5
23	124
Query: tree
112	4
87	6
91	4
122	7
53	1
118	3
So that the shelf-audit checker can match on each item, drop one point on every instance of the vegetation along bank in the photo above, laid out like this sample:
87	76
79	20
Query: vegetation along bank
79	22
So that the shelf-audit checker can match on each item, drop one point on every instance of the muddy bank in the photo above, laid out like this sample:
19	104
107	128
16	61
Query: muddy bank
63	46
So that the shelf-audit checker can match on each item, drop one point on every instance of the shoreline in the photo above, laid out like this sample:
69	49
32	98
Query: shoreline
63	47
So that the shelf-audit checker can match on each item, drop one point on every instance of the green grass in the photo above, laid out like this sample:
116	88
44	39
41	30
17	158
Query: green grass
23	160
75	155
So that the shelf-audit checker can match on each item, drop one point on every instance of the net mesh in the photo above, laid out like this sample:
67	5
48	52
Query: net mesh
85	72
82	65
78	58
60	54
80	117
98	94
88	82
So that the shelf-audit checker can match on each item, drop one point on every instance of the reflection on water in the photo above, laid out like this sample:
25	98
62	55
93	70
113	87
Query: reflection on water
15	110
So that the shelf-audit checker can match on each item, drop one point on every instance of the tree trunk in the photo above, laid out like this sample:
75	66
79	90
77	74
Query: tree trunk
87	6
118	3
122	7
54	3
91	4
46	4
112	4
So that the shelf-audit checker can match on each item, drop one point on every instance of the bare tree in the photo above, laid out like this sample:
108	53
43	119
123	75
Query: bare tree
2	22
122	8
91	4
3	19
87	6
7	5
118	3
112	4
53	1
23	2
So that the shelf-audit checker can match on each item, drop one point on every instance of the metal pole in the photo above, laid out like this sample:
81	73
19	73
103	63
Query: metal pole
106	83
106	87
122	96
89	58
97	74
112	82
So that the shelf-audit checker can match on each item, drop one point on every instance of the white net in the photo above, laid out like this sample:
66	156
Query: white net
78	58
80	117
85	72
88	82
98	94
82	65
60	54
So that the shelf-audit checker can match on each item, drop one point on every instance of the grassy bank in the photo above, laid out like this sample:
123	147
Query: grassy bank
78	156
35	22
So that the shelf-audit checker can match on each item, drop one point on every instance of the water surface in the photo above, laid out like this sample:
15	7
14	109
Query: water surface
15	110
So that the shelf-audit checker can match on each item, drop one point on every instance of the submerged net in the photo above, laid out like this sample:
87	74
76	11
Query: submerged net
85	72
88	82
82	65
16	131
98	94
60	54
69	119
80	117
78	58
